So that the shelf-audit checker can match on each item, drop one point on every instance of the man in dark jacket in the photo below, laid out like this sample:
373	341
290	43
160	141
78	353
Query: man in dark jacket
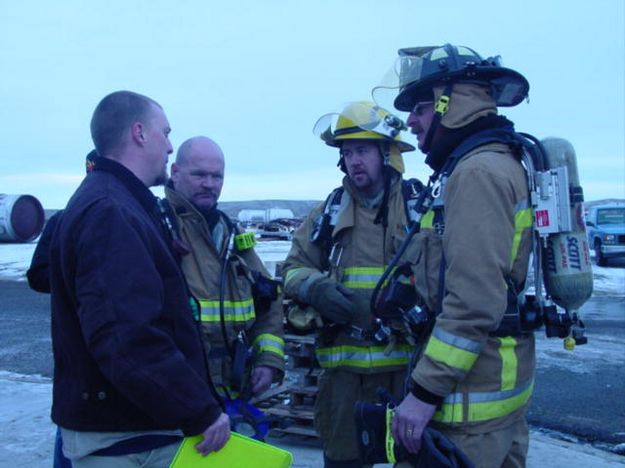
129	375
38	275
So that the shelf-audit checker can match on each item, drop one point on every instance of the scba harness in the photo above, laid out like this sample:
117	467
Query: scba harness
324	223
557	232
321	235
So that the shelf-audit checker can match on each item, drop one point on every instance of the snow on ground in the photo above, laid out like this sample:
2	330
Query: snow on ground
15	259
583	359
28	434
608	281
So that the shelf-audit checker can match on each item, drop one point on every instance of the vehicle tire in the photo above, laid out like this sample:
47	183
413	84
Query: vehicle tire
599	258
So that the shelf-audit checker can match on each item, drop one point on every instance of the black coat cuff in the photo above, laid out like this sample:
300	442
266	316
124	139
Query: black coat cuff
425	395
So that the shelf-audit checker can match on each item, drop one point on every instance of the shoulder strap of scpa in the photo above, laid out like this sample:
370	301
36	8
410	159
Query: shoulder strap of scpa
324	223
410	190
505	135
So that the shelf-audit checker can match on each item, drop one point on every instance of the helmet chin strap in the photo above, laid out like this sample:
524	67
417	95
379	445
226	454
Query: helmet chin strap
440	108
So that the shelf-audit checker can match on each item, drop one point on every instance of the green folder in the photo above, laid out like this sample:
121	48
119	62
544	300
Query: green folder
239	452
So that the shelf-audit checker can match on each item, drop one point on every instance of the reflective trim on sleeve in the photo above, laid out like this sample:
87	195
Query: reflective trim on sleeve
452	350
363	357
266	342
483	406
291	273
234	311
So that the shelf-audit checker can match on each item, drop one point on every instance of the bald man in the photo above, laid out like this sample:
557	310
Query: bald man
240	310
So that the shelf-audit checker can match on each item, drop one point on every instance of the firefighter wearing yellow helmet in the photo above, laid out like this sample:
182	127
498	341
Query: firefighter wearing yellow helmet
336	258
475	376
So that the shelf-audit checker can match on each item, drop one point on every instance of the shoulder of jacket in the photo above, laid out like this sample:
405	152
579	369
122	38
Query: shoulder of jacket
489	158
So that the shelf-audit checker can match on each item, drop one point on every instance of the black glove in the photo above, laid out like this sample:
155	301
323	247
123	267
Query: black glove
437	451
331	299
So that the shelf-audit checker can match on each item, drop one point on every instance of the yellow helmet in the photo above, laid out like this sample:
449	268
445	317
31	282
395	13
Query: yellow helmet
364	120
361	120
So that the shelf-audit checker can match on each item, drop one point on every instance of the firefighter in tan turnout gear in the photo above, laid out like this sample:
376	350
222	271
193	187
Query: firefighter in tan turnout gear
239	306
336	258
475	376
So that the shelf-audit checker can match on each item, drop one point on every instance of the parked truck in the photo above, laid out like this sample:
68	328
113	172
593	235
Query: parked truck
606	231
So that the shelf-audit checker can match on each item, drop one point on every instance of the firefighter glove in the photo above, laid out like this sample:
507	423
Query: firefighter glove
331	299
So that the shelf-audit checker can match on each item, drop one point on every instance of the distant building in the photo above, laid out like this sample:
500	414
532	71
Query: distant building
251	216
278	213
263	216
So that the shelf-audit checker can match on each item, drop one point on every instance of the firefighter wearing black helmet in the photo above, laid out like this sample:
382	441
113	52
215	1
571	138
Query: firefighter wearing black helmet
473	379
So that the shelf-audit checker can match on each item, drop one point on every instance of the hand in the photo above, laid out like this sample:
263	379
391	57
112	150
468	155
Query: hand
332	300
409	421
261	379
215	436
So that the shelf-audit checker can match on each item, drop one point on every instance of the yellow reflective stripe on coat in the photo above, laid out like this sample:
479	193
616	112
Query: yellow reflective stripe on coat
509	362
234	311
362	277
363	357
267	342
523	220
428	220
483	406
452	350
366	277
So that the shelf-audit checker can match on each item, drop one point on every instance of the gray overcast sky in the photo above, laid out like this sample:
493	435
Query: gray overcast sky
255	76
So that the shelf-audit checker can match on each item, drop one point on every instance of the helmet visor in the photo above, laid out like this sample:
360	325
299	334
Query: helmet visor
359	118
417	69
409	67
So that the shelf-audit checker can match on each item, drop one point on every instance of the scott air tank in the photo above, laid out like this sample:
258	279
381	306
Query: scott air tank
567	268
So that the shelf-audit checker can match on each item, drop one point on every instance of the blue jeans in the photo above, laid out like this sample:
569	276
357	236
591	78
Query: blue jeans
60	461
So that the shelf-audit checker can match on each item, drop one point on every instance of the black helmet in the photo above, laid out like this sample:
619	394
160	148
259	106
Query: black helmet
419	69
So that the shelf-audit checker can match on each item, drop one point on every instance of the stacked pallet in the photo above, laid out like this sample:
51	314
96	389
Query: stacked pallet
294	408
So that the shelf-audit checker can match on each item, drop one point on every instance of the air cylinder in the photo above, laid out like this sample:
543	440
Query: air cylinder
568	270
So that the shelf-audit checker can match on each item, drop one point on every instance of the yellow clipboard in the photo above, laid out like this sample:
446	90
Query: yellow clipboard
239	452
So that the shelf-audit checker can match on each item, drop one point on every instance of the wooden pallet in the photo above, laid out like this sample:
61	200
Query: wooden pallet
293	401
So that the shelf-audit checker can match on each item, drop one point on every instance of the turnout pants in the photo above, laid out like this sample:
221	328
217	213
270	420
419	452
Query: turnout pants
334	407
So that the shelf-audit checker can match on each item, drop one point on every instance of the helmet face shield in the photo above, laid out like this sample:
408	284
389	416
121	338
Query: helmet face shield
361	120
418	69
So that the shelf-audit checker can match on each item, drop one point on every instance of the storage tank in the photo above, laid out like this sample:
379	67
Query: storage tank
278	213
21	218
251	216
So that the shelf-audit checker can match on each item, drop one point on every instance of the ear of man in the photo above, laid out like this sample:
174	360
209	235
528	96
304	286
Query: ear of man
137	133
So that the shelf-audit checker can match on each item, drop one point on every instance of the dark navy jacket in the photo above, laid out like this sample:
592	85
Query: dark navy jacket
127	352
